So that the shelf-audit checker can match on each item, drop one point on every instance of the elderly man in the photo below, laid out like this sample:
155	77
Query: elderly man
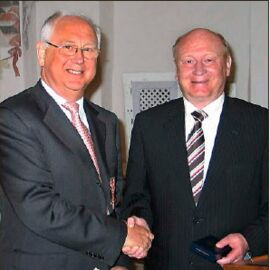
60	166
198	165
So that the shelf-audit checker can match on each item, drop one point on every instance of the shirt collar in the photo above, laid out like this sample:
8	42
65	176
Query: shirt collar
210	109
59	99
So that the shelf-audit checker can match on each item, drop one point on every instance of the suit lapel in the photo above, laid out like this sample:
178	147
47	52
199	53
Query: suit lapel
98	131
226	139
61	127
227	133
175	131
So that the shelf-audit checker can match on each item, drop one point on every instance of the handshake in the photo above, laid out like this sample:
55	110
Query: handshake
139	238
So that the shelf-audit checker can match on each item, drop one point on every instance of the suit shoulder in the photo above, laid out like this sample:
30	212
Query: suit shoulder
20	110
18	102
100	110
247	114
248	108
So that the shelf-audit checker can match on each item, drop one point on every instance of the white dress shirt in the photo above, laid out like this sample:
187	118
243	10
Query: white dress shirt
209	125
60	101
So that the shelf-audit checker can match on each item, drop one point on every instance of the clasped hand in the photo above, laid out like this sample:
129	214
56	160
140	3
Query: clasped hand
139	238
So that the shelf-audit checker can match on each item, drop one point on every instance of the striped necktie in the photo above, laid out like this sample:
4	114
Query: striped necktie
195	153
73	108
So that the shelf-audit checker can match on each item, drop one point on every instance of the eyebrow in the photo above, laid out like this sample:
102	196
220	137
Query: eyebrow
86	44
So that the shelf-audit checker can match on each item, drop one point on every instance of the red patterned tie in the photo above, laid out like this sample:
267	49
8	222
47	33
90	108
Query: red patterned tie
195	152
73	107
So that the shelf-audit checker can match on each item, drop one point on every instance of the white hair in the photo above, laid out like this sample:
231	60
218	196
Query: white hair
48	26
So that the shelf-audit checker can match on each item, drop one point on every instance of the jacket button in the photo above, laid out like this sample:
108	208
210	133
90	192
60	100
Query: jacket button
196	220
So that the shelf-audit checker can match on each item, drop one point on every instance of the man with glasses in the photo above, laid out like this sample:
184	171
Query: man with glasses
60	167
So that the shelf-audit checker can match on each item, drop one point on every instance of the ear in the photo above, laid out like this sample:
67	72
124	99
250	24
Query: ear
228	65
41	52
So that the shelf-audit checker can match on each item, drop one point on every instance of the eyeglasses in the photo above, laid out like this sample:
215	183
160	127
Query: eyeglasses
71	50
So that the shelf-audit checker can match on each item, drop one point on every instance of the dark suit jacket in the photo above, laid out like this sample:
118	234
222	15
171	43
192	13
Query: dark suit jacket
54	212
235	194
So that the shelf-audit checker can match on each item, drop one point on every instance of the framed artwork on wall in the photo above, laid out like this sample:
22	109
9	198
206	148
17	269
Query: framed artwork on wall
10	34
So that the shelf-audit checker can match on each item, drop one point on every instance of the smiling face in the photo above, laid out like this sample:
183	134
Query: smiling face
68	76
202	66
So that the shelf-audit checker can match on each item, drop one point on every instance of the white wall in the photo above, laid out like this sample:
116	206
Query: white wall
138	36
144	33
9	84
259	47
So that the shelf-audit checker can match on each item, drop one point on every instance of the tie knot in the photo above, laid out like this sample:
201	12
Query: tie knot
71	106
199	115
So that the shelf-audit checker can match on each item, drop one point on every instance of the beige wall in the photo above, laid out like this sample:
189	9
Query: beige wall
138	36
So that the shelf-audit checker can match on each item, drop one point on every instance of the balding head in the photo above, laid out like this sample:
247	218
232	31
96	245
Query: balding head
199	33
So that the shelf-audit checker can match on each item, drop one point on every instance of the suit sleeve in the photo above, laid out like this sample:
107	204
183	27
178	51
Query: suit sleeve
119	173
28	184
137	199
257	233
123	259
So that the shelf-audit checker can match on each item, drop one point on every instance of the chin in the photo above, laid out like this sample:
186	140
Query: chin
200	94
200	88
75	86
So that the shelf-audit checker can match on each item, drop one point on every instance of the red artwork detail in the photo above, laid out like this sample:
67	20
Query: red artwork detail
10	26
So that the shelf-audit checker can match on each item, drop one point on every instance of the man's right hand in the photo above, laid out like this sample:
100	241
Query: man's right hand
138	241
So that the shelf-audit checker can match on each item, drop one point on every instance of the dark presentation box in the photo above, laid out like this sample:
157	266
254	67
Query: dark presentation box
206	247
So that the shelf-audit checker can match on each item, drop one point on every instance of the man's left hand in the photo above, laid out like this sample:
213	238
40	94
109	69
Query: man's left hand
239	247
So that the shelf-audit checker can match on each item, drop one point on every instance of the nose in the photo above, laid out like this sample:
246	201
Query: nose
78	56
199	68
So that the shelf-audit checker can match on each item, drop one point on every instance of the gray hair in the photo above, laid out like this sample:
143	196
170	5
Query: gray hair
227	49
48	26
